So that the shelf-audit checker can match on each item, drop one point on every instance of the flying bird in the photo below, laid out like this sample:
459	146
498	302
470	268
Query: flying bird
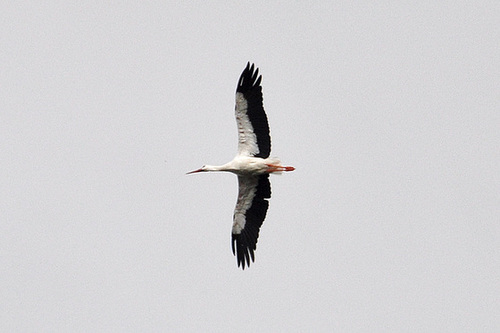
252	165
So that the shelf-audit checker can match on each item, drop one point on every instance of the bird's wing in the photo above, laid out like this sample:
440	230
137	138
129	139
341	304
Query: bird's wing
249	214
253	128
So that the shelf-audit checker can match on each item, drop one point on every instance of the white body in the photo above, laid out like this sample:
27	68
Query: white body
246	165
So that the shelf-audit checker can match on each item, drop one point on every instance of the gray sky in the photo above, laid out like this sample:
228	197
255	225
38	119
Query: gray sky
389	112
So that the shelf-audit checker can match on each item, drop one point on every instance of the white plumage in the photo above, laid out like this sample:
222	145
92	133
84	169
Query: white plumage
252	165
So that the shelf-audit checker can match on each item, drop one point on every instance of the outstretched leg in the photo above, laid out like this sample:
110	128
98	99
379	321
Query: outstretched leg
278	168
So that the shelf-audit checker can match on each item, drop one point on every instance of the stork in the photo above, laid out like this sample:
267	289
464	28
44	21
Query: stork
252	165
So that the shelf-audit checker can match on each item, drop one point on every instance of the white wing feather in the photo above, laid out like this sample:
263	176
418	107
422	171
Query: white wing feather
247	188
247	140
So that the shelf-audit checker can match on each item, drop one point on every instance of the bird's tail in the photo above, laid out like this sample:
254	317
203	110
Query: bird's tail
273	160
275	167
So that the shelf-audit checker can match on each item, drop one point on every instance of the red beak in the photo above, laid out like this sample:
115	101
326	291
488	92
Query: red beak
195	171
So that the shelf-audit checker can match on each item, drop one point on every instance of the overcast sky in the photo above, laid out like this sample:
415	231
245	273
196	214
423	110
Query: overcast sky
389	112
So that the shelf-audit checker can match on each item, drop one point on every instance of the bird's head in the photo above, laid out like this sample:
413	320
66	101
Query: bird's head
202	169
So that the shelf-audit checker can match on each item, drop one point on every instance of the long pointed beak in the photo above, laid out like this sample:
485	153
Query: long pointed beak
195	171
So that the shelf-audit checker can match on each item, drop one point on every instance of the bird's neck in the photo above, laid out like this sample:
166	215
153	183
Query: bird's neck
216	167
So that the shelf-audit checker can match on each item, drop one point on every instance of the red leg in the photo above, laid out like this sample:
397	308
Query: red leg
278	168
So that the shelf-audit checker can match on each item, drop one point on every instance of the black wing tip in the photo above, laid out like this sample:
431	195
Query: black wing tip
249	79
244	253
